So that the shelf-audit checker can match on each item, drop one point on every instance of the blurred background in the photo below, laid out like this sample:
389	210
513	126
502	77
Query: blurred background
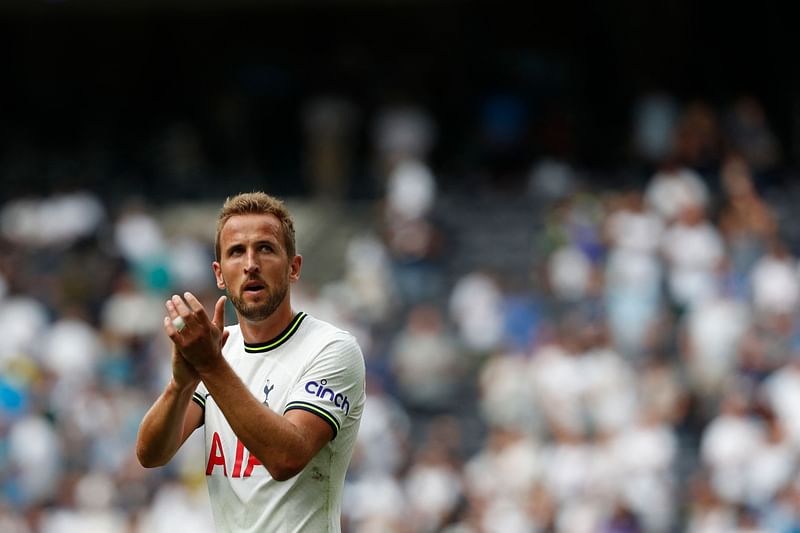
564	236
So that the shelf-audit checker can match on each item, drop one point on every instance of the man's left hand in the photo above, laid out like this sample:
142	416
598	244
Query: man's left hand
201	340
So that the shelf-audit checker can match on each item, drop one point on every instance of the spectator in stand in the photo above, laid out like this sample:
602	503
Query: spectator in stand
557	378
782	391
433	484
728	445
693	250
697	141
656	116
476	308
633	273
609	394
750	134
412	239
427	363
775	283
331	126
674	188
507	401
712	333
772	468
707	512
645	454
746	222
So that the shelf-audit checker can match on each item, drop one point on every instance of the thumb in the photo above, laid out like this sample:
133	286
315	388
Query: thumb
219	313
225	334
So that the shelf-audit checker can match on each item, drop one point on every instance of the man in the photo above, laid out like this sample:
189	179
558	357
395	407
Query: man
280	393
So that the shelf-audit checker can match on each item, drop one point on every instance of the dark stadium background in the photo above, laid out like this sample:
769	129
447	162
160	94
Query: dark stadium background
113	74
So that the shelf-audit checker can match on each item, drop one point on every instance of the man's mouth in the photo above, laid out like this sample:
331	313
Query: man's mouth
253	286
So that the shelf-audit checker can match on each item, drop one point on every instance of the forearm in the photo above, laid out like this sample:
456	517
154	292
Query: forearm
276	442
162	430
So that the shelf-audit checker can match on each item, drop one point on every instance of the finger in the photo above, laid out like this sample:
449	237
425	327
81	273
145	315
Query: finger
177	320
193	303
180	306
219	313
170	330
196	307
171	310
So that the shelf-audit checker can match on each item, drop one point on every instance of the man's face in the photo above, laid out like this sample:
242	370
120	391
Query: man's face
253	265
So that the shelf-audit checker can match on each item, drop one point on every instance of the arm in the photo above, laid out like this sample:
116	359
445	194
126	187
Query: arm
173	416
167	425
283	444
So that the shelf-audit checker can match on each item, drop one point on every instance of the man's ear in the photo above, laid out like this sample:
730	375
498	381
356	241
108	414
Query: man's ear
218	275
295	266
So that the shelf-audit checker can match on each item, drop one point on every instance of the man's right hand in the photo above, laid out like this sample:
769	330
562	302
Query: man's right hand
183	375
200	339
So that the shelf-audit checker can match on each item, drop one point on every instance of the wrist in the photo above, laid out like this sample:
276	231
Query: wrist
183	386
211	369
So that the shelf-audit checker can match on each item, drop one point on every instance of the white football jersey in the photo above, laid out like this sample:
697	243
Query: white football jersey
312	366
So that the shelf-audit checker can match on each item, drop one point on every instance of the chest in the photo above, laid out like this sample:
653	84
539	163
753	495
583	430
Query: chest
269	379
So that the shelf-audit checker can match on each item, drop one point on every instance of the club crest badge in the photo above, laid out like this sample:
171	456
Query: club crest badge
267	389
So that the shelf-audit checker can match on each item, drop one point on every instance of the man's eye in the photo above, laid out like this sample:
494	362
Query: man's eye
266	248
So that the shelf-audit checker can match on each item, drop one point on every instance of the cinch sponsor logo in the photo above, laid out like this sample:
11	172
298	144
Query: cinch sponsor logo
319	389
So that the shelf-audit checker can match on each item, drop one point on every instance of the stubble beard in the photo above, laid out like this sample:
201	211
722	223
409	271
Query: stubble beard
260	311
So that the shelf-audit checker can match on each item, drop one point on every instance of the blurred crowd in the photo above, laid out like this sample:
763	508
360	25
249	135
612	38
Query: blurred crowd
638	371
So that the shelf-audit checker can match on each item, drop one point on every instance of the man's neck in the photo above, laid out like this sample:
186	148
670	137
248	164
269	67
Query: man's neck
256	332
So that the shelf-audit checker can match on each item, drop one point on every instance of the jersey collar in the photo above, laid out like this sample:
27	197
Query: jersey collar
278	341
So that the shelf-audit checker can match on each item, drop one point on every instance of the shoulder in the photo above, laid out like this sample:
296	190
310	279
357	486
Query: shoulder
333	341
326	331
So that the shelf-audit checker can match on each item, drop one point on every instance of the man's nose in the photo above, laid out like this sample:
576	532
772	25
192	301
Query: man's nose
251	265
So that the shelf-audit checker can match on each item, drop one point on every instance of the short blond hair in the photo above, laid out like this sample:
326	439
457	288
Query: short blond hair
257	203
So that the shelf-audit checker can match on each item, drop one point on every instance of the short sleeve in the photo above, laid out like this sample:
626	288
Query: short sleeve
200	395
332	386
